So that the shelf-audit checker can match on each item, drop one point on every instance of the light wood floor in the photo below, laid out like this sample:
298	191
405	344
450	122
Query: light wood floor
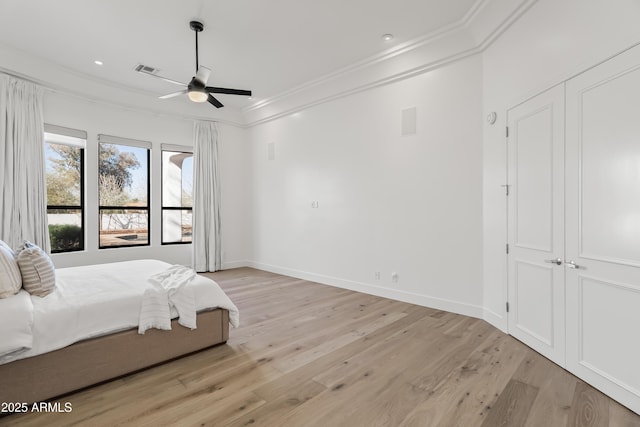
312	355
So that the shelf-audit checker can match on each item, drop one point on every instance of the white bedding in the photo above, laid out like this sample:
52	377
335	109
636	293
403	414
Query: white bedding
16	321
95	300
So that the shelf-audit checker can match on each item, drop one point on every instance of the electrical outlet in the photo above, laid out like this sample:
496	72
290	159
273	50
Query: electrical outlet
314	204
394	277
376	275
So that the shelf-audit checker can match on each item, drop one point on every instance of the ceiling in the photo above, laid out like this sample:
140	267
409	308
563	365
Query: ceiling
269	47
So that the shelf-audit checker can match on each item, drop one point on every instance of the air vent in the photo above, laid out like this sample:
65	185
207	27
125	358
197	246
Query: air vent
146	69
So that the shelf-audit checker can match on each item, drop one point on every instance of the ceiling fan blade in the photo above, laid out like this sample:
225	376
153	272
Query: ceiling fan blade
214	101
174	94
175	82
203	75
212	89
141	71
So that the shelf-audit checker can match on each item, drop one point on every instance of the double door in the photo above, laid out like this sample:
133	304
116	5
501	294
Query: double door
574	225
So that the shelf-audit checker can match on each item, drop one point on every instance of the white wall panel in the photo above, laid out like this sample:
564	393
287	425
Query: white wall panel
533	145
610	170
608	322
534	288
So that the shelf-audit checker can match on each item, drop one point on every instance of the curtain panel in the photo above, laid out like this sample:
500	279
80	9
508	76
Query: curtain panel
206	237
23	194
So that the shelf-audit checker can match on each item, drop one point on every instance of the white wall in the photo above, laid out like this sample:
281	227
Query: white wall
98	118
553	41
387	203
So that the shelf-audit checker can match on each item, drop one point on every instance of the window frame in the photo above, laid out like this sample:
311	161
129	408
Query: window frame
174	149
113	140
79	134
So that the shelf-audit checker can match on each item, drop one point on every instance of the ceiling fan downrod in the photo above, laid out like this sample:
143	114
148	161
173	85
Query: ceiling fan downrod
196	26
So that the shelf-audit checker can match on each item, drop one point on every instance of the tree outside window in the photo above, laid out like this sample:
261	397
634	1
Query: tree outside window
64	157
123	181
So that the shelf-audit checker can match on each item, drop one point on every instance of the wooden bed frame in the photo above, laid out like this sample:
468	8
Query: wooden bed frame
92	361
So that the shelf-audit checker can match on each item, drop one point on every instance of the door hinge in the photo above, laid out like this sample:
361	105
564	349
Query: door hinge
506	188
507	304
507	245
507	131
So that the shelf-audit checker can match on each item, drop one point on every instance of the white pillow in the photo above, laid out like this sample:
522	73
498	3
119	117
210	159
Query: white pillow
10	279
38	272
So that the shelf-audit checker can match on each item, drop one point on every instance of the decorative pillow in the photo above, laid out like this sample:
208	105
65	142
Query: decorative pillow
38	272
10	279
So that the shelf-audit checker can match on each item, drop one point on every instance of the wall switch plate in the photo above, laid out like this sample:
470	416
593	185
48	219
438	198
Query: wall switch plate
394	277
271	151
408	126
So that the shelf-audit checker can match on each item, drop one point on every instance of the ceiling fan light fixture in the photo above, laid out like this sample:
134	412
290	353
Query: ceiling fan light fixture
197	95
197	89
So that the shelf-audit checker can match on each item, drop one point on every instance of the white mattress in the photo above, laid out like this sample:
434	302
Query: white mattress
95	300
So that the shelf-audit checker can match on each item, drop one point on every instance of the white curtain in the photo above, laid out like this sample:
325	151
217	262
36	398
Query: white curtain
23	213
206	199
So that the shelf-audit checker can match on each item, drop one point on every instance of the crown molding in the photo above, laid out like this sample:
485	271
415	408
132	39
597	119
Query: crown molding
378	58
493	20
485	21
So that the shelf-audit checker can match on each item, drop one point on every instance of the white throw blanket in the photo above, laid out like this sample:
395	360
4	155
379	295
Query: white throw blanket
168	290
16	323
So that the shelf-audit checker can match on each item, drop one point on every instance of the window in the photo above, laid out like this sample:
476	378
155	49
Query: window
64	160
123	186
177	194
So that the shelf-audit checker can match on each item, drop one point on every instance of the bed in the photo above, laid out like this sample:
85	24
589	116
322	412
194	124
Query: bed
87	330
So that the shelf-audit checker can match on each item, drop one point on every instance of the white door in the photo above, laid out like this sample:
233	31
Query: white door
603	227
536	223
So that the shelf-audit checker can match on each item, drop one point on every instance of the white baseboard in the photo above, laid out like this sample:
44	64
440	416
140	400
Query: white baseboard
228	265
395	294
495	319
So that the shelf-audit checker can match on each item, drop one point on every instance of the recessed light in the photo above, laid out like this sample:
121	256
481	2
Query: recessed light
97	62
387	37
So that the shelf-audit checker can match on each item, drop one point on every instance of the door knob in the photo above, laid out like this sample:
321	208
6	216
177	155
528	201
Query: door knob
573	265
557	261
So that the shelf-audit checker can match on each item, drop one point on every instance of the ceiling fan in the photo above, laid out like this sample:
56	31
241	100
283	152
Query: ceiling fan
197	89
